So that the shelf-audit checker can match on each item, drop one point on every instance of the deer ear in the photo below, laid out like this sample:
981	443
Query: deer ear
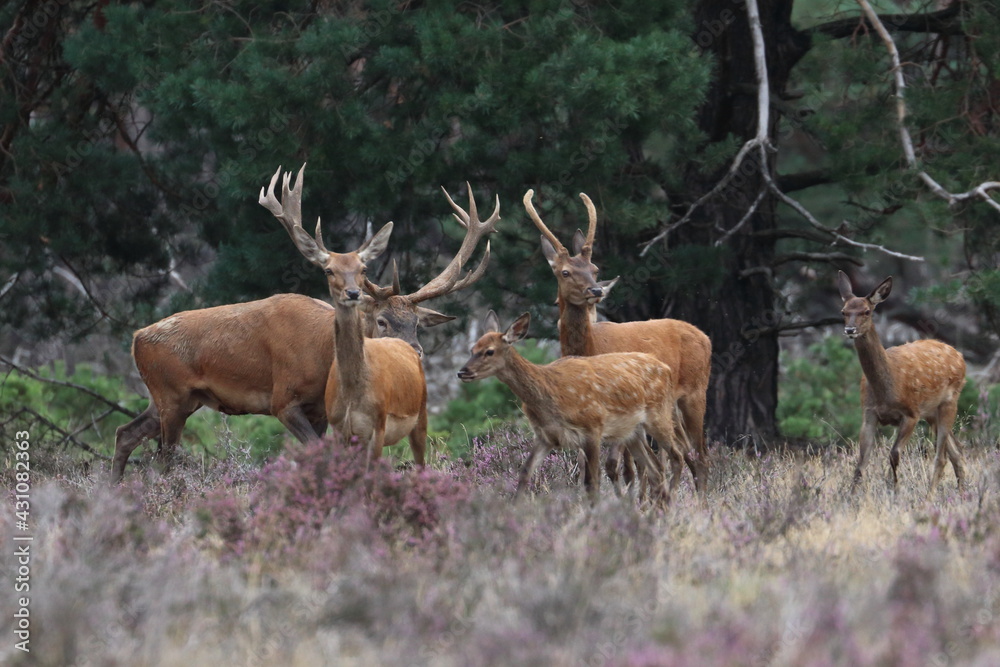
844	285
881	293
578	242
431	318
491	323
550	252
376	245
606	285
518	330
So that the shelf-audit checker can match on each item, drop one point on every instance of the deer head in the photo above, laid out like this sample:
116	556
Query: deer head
345	272
399	315
491	352
576	274
858	310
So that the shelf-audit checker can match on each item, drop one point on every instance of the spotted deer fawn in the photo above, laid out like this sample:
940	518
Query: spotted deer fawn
902	385
574	402
680	345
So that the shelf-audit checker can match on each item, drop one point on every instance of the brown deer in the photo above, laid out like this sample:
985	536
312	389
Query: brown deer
902	385
680	345
375	389
575	402
247	358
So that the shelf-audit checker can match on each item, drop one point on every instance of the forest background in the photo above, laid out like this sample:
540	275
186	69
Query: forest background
135	136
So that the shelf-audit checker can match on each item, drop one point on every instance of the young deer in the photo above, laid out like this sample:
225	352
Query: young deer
902	385
375	389
574	402
680	345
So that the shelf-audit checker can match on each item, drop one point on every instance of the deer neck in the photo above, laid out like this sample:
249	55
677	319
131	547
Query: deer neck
875	364
575	329
527	381
349	348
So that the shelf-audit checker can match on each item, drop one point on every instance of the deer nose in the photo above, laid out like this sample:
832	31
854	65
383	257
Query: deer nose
850	331
596	291
353	294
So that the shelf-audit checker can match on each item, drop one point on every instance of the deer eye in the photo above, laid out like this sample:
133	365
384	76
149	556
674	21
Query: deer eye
364	270
565	273
328	272
382	323
489	353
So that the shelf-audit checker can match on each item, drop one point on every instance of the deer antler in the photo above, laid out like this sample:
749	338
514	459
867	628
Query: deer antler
588	244
289	214
533	214
448	280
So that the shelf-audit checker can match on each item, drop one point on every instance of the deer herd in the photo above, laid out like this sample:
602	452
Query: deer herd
356	365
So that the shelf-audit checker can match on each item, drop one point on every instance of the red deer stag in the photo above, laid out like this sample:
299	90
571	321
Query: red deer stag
247	358
681	346
902	385
575	402
375	389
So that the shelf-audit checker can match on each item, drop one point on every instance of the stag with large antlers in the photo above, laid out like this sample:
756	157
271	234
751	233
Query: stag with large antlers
574	402
249	358
375	390
680	345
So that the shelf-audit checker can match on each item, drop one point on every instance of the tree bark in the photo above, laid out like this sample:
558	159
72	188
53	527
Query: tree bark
738	310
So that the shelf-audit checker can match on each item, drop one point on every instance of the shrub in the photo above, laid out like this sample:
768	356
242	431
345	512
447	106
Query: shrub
819	397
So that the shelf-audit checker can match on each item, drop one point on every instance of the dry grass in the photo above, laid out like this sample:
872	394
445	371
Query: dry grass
310	562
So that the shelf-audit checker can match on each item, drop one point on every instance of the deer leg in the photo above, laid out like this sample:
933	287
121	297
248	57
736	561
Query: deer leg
690	433
906	427
955	456
628	468
611	465
649	468
418	438
294	419
866	439
592	472
948	446
171	425
131	435
319	426
539	452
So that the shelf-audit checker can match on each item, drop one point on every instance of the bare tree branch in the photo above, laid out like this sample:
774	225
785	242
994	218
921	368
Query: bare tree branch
980	191
117	407
946	21
762	143
67	436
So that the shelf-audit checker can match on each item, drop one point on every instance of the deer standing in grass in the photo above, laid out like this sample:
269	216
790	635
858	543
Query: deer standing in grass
272	356
680	345
375	389
902	385
574	402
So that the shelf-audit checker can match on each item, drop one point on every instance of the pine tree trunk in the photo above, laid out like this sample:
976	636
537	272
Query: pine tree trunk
739	311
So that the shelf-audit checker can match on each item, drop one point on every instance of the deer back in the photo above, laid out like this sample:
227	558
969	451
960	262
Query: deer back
925	374
682	346
234	355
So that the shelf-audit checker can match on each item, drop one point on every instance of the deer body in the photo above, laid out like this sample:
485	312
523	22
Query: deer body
680	345
376	389
231	359
902	385
575	402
